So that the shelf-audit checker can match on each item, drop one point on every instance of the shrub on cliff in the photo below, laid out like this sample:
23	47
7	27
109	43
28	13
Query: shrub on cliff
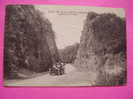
26	43
102	41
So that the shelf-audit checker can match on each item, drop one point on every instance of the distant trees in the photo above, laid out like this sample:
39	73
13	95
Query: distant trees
26	43
69	53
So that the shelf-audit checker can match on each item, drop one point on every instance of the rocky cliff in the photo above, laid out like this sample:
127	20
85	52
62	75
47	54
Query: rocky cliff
103	48
29	41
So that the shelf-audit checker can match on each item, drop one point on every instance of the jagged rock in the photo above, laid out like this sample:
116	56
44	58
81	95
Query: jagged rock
28	40
103	48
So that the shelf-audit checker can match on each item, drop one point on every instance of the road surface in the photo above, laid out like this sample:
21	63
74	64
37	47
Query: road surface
72	77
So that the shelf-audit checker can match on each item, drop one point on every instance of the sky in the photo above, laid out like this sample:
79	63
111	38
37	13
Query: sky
67	21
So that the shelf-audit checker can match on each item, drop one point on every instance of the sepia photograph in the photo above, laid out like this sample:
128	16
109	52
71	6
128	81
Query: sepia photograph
58	45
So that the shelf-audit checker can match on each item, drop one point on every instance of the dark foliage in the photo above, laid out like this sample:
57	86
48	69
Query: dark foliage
69	53
26	43
102	48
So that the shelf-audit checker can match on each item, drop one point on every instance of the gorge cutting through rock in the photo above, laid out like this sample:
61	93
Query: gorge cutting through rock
33	57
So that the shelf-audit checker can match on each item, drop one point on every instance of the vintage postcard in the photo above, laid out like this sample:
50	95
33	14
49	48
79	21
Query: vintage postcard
56	45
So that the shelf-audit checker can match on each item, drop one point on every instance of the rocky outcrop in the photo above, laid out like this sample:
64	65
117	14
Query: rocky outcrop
29	41
103	48
50	37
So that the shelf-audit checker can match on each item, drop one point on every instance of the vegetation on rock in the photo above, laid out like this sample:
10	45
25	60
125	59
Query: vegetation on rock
102	48
28	41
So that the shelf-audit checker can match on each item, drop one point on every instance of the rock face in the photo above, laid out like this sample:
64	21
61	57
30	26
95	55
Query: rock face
52	44
29	40
103	48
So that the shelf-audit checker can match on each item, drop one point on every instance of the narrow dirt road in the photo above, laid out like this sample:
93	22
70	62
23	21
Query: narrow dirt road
72	77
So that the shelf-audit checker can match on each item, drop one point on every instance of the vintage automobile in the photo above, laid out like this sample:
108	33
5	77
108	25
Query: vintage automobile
57	69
